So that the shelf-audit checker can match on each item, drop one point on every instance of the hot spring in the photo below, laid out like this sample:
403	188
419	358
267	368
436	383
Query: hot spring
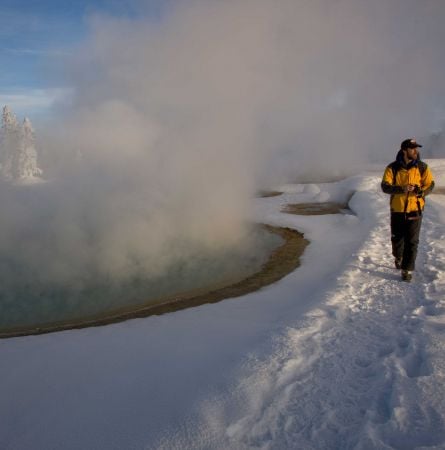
205	277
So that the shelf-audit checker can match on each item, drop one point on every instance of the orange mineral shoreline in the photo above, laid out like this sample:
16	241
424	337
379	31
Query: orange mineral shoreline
282	261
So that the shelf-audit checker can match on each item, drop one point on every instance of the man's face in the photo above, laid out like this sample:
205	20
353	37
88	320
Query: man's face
411	153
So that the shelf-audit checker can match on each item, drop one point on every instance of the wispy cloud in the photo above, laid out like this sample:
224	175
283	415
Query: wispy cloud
13	22
29	102
36	52
23	30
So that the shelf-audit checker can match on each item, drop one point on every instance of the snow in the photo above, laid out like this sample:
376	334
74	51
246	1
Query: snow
338	354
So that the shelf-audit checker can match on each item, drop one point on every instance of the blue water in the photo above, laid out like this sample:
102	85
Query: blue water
34	304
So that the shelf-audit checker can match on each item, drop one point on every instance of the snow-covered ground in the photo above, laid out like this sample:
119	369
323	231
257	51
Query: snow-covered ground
340	354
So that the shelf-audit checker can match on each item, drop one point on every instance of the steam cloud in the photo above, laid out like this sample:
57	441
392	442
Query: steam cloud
175	123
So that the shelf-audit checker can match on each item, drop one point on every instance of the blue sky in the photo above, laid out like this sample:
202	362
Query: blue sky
35	38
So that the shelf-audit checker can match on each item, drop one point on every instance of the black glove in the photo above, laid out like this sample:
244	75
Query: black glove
418	191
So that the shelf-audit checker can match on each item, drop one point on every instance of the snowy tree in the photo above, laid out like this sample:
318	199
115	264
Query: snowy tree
9	142
25	161
18	155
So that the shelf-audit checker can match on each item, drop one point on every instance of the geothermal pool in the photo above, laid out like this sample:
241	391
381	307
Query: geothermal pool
204	278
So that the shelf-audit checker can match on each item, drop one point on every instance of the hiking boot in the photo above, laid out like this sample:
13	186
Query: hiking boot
398	263
407	275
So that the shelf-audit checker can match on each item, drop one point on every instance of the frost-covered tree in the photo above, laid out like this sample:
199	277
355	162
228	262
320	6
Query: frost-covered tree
25	161
18	156
9	142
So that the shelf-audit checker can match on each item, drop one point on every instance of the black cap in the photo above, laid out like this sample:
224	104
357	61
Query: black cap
409	143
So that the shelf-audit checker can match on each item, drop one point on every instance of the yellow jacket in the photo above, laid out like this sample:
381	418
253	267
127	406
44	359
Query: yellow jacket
397	175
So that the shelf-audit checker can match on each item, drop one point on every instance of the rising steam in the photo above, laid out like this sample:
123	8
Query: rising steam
175	123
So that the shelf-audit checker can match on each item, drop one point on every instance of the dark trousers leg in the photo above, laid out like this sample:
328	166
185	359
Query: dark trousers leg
405	239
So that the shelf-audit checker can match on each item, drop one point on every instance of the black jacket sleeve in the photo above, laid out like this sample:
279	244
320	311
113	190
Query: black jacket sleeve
391	189
388	186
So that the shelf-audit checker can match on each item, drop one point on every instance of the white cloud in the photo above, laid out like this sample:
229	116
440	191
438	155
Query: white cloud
37	52
34	102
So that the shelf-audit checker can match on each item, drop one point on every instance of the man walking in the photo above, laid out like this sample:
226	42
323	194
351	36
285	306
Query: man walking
408	180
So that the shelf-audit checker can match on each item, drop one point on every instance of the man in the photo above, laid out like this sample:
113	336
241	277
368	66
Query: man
408	180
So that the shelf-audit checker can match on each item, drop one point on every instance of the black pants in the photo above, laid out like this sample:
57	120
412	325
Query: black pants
405	239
